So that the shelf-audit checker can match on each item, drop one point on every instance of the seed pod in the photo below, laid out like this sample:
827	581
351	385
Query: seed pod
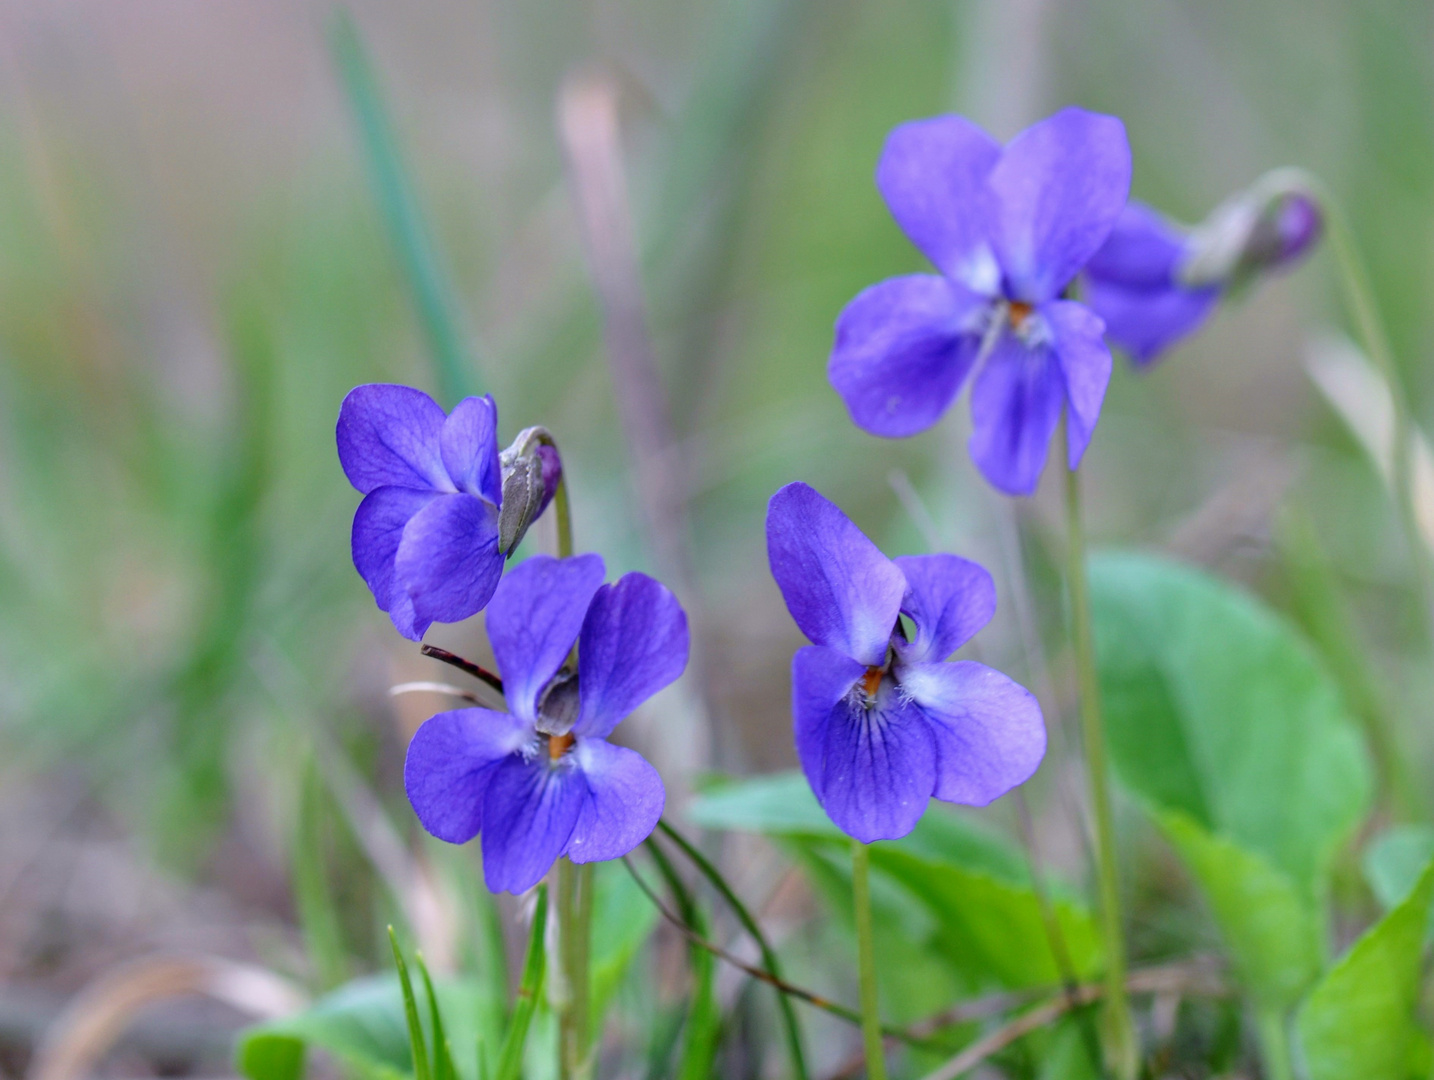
531	471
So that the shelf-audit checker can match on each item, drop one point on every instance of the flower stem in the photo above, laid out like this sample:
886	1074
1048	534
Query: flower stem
866	959
574	889
562	507
1121	1053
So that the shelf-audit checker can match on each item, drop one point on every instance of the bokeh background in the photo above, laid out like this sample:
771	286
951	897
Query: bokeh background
197	261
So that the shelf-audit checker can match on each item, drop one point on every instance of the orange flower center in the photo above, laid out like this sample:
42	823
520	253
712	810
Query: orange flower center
1020	312
871	681
558	745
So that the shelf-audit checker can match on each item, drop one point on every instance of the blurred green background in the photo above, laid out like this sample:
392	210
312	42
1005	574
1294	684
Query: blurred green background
195	267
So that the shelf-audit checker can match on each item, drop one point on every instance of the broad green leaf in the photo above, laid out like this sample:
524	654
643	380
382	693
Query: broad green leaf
362	1024
1393	863
1269	925
1358	1023
1216	708
778	804
980	911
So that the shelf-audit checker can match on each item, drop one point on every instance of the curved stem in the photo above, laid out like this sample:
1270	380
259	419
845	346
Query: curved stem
866	959
562	507
750	924
1121	1053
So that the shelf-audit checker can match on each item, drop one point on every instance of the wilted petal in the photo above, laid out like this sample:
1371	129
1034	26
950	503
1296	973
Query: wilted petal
988	731
821	679
529	812
949	599
1085	363
1060	186
841	590
469	442
625	799
377	531
388	436
448	560
534	619
633	643
878	767
449	764
932	174
903	348
1015	404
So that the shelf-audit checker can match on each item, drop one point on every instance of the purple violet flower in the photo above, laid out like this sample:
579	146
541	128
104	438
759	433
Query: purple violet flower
882	723
1008	228
426	536
1154	283
541	780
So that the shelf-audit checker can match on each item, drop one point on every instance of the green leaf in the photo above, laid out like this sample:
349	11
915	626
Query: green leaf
779	804
362	1024
1393	863
1269	926
271	1057
1359	1023
982	913
1216	708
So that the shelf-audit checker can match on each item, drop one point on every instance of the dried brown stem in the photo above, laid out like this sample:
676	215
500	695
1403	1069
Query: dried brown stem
476	670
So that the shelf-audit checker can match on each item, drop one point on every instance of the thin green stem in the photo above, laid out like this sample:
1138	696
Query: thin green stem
570	998
562	507
750	924
1274	1039
866	961
1121	1053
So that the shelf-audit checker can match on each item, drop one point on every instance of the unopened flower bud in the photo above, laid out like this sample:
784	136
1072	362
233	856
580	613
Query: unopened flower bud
531	471
1268	226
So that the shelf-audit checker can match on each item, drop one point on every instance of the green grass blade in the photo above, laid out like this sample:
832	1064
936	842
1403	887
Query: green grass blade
432	293
529	992
318	914
442	1054
416	1040
769	956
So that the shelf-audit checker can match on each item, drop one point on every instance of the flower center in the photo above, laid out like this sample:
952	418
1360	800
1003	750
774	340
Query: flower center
871	681
558	745
1020	312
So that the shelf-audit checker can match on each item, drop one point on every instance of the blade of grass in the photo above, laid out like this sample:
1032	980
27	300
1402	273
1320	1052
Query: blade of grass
432	293
750	924
442	1053
530	988
318	918
416	1040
